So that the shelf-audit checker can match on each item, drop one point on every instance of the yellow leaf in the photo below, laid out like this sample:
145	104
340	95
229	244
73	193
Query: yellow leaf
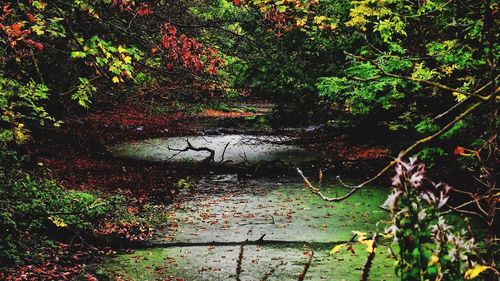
300	22
319	19
360	235
94	14
57	221
127	59
116	79
121	49
368	244
459	96
433	260
473	272
337	249
20	134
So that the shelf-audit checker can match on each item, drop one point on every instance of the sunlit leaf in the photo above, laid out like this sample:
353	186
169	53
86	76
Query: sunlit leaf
473	272
337	248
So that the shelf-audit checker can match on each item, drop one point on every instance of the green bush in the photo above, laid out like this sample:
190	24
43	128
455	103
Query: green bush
32	207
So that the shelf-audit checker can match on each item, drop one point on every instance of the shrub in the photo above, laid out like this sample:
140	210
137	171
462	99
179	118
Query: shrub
429	248
32	207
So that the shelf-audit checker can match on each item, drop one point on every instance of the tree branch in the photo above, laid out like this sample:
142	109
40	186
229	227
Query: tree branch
402	154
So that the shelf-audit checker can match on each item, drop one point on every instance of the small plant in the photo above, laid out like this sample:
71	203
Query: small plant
184	183
429	248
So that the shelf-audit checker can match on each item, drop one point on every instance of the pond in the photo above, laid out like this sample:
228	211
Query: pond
233	149
211	220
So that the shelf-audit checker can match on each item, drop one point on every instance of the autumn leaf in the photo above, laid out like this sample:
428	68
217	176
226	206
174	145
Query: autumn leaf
58	221
473	272
459	96
459	150
121	49
368	244
361	235
337	248
90	277
433	260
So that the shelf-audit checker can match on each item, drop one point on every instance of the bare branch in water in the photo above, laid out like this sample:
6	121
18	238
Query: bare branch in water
302	275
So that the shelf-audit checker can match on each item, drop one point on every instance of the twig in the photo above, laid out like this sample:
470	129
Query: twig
450	109
94	62
224	152
270	272
324	197
369	259
320	180
210	158
238	263
37	68
423	81
302	275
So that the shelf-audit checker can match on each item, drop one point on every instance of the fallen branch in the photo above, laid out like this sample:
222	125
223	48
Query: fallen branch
324	197
121	242
209	159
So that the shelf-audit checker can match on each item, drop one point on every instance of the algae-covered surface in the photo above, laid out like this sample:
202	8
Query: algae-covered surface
231	210
220	263
224	209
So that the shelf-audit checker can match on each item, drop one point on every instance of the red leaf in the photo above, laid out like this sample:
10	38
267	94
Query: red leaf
6	9
459	150
31	18
38	46
89	277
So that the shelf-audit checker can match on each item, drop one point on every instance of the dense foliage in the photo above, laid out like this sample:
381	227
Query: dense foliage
57	54
32	206
422	68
